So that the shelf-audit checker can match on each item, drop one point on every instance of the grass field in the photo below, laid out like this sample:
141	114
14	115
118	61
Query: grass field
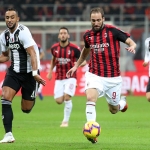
40	129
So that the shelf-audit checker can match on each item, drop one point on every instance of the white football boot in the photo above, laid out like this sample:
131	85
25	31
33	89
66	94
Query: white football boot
126	106
8	138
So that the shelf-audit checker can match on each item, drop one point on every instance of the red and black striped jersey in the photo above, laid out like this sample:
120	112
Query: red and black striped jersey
65	58
105	50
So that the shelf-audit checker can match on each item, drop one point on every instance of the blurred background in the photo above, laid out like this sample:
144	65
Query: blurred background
45	17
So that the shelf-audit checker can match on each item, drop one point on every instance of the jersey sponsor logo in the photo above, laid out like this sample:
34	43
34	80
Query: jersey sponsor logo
14	46
99	47
63	60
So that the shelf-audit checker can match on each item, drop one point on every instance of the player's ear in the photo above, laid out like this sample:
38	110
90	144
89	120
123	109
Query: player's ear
18	18
103	18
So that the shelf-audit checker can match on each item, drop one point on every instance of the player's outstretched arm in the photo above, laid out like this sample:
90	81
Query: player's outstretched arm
81	60
71	71
131	44
30	50
4	57
52	65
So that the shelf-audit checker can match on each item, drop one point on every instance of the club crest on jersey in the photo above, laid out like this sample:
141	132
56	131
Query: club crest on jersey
69	52
105	35
12	40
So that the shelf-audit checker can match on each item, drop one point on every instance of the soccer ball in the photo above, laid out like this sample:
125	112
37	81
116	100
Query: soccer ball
91	129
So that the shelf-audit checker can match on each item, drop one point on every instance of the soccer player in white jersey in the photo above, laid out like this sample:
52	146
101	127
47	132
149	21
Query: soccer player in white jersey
23	72
146	63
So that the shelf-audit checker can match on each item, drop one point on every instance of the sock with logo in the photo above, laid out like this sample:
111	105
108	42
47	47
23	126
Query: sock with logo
67	110
90	111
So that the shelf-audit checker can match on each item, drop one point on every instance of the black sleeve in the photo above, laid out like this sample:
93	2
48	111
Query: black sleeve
77	53
86	44
120	35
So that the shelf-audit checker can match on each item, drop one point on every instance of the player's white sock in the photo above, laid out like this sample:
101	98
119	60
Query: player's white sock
67	110
122	104
90	111
40	88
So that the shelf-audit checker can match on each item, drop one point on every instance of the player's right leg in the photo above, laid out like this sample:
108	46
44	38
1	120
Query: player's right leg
9	90
93	90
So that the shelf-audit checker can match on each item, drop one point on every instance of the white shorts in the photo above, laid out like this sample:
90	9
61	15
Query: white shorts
67	86
110	87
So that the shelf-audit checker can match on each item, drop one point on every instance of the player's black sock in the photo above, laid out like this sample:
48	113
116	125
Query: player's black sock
7	115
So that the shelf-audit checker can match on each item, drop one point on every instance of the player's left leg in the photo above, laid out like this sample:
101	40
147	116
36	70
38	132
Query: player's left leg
116	102
29	90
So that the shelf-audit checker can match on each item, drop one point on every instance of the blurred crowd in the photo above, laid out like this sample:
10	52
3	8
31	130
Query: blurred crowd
64	10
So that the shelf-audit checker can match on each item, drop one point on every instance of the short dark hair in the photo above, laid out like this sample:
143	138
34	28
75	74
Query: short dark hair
97	10
12	9
64	28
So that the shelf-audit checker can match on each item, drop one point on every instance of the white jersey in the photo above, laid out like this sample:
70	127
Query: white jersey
147	52
17	42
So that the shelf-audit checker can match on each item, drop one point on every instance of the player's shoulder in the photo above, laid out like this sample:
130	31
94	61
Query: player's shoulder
109	26
74	45
88	32
4	33
55	45
23	28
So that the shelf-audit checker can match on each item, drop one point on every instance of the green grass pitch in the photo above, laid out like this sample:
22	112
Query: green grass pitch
40	129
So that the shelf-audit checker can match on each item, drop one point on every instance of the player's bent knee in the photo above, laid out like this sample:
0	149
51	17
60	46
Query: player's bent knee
113	111
58	102
26	111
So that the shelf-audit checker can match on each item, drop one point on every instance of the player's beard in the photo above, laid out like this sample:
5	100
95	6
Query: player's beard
64	41
99	28
13	27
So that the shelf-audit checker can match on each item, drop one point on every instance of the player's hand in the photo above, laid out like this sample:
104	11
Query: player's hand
40	80
130	49
71	72
49	76
145	64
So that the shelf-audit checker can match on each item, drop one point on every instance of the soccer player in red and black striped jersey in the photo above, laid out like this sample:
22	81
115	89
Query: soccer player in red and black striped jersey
65	55
103	77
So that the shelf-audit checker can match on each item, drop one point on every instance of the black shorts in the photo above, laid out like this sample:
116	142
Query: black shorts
23	81
148	86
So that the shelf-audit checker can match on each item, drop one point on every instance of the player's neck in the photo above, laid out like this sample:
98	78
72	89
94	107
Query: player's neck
64	44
